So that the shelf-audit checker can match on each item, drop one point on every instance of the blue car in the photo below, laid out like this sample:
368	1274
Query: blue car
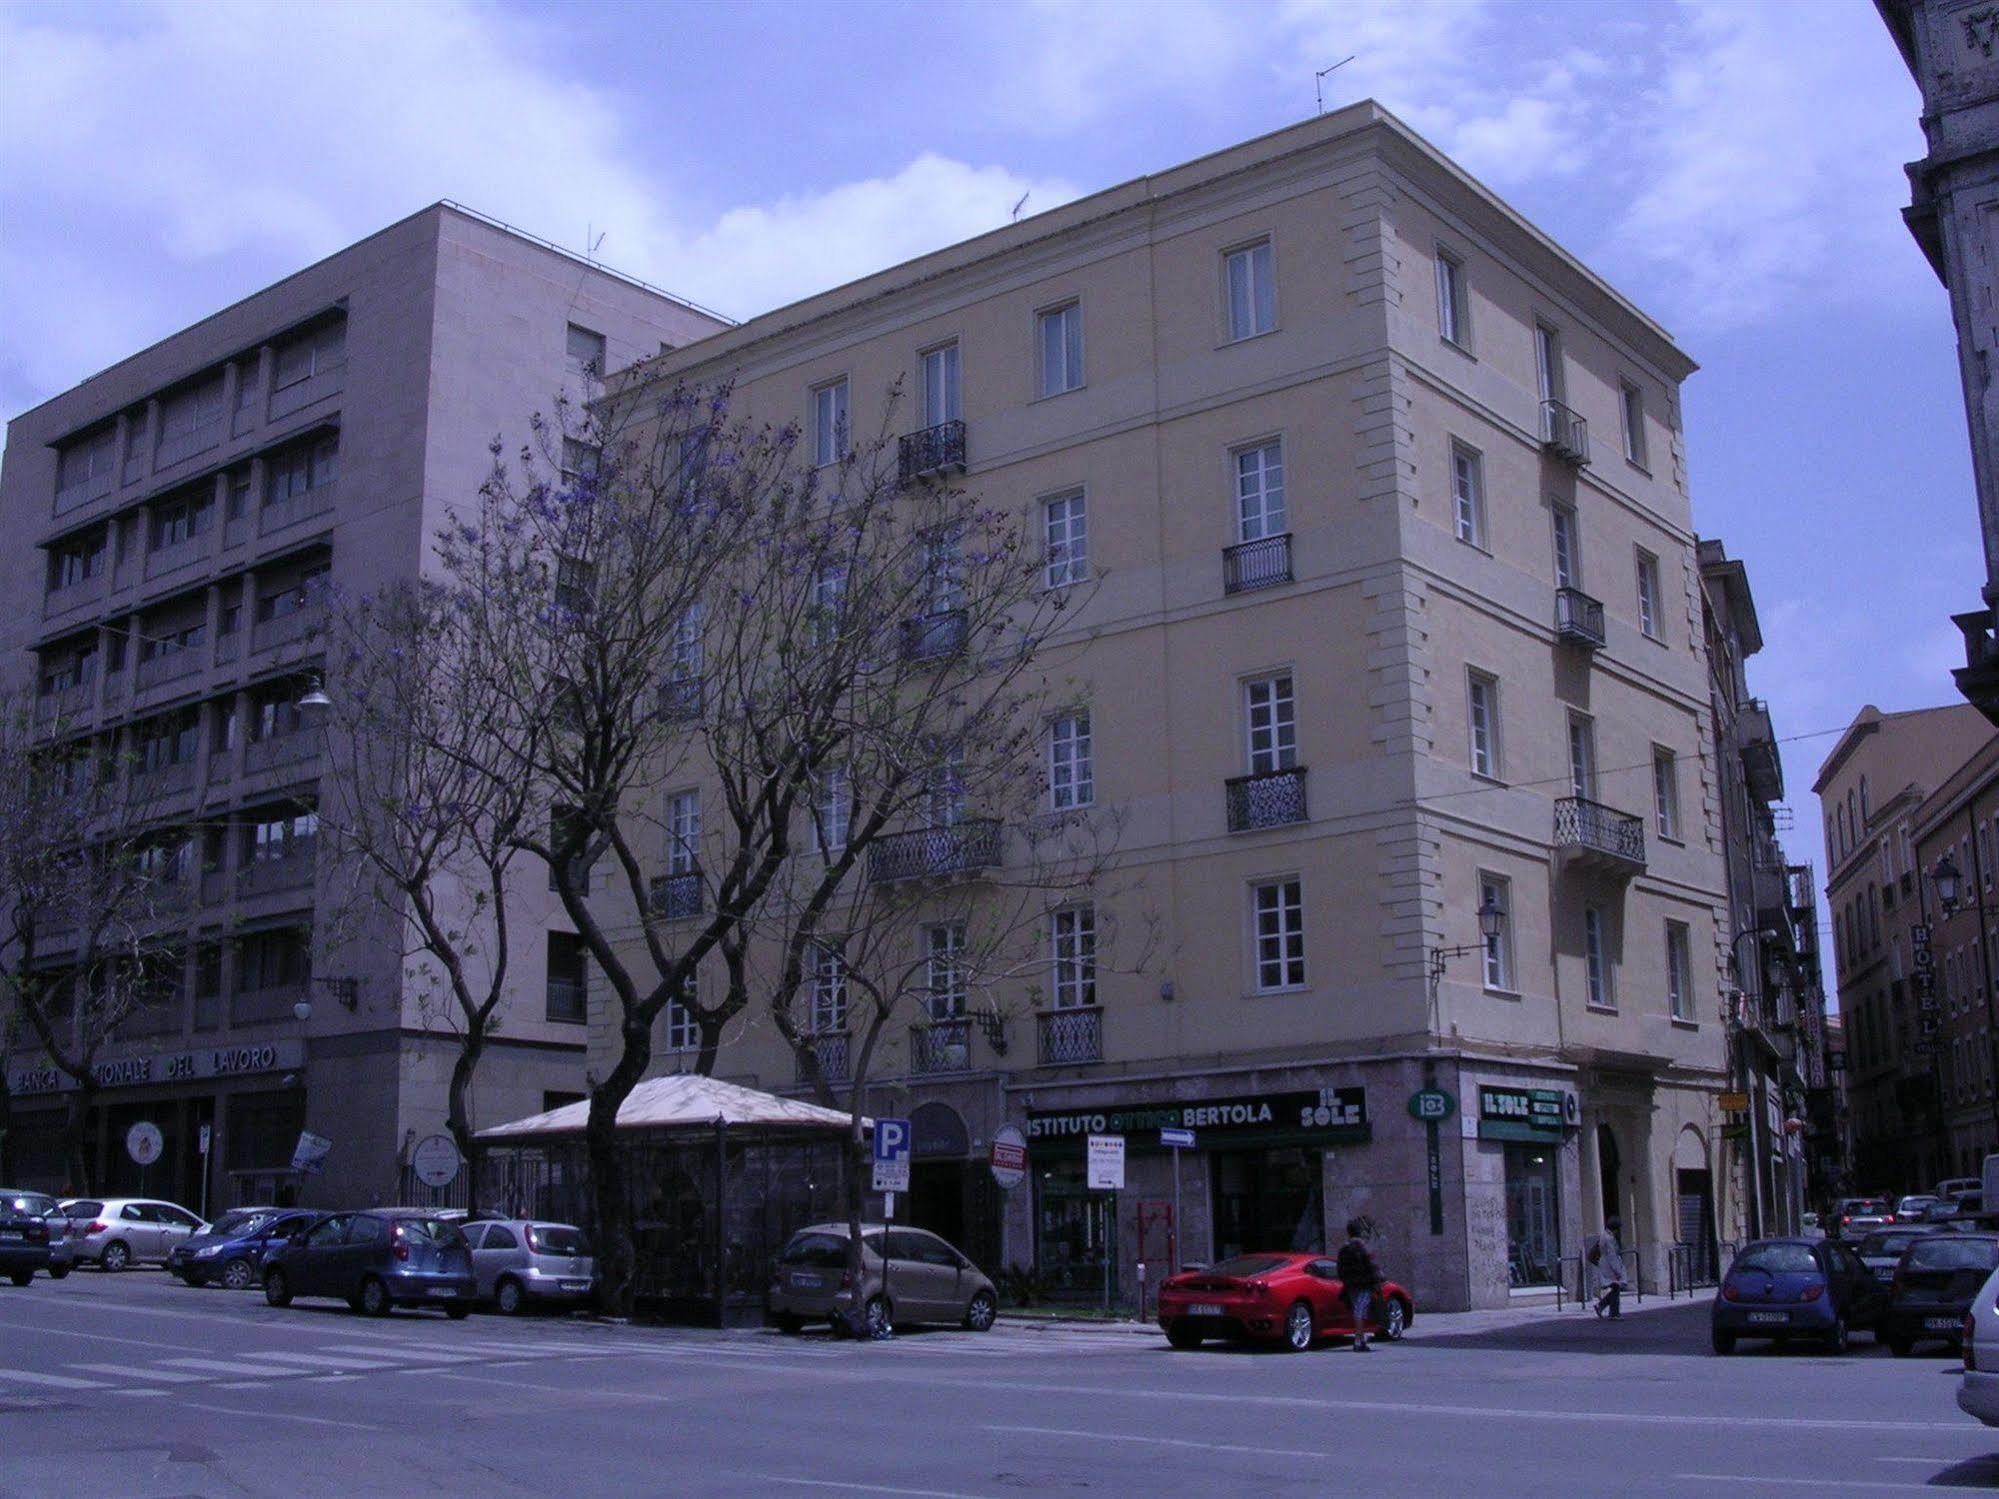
1781	1289
232	1250
376	1261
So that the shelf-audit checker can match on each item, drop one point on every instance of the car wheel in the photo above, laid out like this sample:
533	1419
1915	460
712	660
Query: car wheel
458	1311
373	1300
1298	1327
1395	1319
1724	1342
115	1257
1838	1340
277	1289
238	1276
787	1324
1900	1347
508	1298
1183	1337
980	1314
879	1319
58	1272
21	1277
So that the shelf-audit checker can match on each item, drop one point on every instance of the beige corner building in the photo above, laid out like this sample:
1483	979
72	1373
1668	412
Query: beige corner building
1400	617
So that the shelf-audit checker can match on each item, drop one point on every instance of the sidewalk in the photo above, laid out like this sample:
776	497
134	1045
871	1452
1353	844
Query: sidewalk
1493	1319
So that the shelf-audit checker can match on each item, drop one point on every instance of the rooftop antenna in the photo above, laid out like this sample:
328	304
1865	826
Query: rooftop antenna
592	242
1021	204
1319	79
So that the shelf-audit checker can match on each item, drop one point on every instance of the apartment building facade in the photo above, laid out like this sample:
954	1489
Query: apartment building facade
181	518
1875	790
1397	617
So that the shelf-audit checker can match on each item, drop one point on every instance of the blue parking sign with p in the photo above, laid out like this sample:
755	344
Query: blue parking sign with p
893	1141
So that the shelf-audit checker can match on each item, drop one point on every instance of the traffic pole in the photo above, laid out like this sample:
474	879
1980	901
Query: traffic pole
1173	1238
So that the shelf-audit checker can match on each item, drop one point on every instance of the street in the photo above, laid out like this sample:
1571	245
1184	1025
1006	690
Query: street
138	1386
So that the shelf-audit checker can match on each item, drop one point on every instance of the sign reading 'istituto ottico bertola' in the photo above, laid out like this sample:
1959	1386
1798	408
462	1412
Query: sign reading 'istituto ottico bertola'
1335	1114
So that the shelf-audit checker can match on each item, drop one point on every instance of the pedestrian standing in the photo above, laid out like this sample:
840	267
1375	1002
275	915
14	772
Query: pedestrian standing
1358	1280
1606	1262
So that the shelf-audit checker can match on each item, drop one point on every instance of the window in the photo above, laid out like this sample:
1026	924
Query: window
1060	338
1631	402
1259	492
1498	948
682	1034
585	351
310	354
304	593
1679	971
1548	363
303	468
944	948
683	832
832	809
829	600
1568	549
1272	723
1071	780
829	991
1483	713
1467	494
180	521
829	423
1666	791
1648	594
567	995
239	495
1065	526
1073	957
580	461
947	571
190	412
947	788
1582	757
940	386
1252	290
285	836
684	651
575	584
1280	935
1596	958
1985	854
1453	311
76	562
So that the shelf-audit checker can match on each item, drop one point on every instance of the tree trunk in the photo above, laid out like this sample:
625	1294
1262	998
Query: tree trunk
77	1165
855	1193
7	1171
711	1043
609	1189
457	1117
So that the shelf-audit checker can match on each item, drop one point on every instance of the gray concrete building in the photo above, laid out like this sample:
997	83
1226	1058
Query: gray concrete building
176	523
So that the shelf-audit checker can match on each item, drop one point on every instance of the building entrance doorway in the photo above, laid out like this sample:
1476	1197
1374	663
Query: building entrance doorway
1609	1171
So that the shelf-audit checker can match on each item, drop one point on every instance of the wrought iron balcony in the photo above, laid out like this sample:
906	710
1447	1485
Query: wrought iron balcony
833	1051
674	897
931	635
1267	800
935	852
931	451
1263	563
1600	836
1069	1037
568	1001
1761	765
941	1046
1564	434
1578	619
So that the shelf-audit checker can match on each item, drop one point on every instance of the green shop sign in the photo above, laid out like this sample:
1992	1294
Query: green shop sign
1536	1115
1327	1115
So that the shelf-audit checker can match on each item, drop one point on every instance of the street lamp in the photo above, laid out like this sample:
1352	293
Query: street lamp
346	991
315	696
1946	877
1490	919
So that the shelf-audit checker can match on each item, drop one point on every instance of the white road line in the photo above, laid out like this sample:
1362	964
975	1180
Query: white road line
1842	1484
246	1364
161	1393
53	1381
866	1488
1110	1436
320	1361
94	1337
141	1371
269	1415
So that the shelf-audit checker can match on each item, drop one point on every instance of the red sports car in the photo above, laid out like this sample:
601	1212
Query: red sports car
1286	1298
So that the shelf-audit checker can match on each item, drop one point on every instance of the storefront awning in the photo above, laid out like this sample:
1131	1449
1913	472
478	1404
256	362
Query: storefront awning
683	1101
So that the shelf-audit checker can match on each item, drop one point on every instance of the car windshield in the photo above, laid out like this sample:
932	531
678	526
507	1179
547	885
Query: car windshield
816	1251
557	1238
1243	1266
1778	1259
1953	1252
436	1230
1878	1246
239	1222
26	1202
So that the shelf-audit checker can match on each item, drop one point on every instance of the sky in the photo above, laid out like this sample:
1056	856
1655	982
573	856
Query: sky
1734	169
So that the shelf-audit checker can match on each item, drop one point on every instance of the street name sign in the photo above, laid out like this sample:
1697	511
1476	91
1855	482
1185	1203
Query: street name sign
893	1140
1178	1139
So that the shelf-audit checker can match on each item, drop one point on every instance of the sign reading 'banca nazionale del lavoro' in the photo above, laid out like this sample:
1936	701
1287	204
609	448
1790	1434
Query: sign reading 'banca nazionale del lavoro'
1338	1115
181	1065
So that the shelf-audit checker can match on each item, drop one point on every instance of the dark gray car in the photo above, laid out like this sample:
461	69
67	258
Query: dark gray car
375	1261
923	1279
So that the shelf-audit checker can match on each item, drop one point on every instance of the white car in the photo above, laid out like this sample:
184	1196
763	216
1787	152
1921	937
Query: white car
1978	1394
114	1232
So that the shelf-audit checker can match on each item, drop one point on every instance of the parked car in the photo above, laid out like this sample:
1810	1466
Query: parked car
1286	1298
1882	1250
120	1231
1854	1216
62	1254
927	1280
375	1261
232	1249
1978	1390
24	1239
1952	1185
1933	1289
520	1261
1795	1288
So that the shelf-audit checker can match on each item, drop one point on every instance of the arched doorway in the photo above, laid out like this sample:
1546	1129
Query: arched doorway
1609	1171
949	1193
1693	1211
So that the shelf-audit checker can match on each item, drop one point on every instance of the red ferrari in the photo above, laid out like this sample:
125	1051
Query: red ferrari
1292	1299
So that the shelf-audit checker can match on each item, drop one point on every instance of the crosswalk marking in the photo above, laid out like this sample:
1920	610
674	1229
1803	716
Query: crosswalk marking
321	1361
53	1381
133	1371
418	1355
240	1365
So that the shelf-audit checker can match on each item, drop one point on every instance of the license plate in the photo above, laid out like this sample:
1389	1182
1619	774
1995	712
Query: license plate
576	1285
440	1291
1769	1316
11	1233
805	1282
1204	1309
1941	1324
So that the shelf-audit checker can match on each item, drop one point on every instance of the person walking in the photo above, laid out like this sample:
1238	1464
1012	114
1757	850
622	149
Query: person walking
1606	1262
1358	1280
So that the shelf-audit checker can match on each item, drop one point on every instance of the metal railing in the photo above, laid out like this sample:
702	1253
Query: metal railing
931	451
277	514
941	1046
183	445
1068	1037
1594	828
1269	799
74	595
568	1001
931	635
1578	618
1564	434
833	1051
674	897
162	780
285	628
93	487
164	559
1263	563
272	1003
1690	1266
168	666
280	749
262	876
935	852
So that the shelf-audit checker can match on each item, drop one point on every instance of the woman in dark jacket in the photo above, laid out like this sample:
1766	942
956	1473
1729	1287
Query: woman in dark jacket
1358	1280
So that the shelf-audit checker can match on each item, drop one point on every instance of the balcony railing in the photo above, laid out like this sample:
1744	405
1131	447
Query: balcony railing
279	750
1761	765
831	1049
83	491
74	596
228	647
302	393
296	625
166	558
675	897
183	445
164	780
568	1001
168	667
262	876
1564	435
1578	619
277	514
1603	834
271	1002
931	635
932	450
935	852
941	1046
1069	1037
1251	565
67	702
1269	799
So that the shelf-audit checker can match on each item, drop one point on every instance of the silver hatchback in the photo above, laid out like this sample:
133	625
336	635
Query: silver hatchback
523	1261
114	1232
926	1280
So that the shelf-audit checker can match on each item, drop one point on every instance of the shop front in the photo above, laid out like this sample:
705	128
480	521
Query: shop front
1531	1126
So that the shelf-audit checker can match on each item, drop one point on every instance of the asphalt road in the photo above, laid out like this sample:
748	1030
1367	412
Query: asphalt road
136	1386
